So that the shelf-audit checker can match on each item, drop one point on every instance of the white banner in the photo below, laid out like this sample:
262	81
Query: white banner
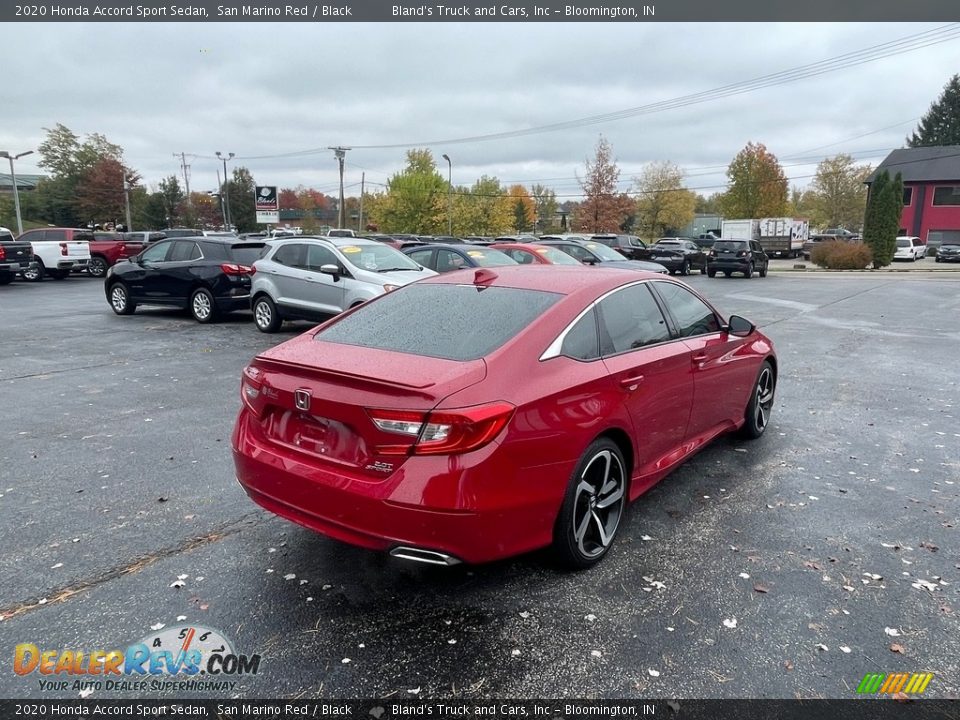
268	217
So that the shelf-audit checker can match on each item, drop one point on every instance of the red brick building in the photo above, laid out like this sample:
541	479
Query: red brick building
931	191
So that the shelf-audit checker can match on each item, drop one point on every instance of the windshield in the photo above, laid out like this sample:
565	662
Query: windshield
557	257
950	246
455	322
377	258
603	252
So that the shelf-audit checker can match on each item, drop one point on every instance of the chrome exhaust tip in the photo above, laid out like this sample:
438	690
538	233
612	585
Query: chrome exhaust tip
431	557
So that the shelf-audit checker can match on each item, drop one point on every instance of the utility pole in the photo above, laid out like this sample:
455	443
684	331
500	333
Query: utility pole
223	208
186	174
340	153
363	179
126	201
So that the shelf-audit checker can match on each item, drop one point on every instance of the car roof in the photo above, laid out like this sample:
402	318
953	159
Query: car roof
462	248
517	245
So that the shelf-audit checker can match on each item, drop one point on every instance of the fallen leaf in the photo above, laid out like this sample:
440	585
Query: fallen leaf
177	584
745	576
158	626
787	665
892	632
897	648
811	564
822	647
289	576
181	618
929	546
653	673
730	623
761	588
345	661
845	649
590	618
901	697
525	614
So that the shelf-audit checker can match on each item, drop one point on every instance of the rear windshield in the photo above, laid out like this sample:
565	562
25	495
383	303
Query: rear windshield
903	242
247	253
730	245
453	322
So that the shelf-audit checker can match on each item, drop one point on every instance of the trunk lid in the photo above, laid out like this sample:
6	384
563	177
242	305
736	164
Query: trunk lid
314	398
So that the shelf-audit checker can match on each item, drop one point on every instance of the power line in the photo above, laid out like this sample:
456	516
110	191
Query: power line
905	44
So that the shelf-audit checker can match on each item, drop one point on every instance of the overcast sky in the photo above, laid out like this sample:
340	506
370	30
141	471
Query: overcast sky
269	89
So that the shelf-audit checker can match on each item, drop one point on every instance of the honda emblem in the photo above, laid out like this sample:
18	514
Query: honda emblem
302	398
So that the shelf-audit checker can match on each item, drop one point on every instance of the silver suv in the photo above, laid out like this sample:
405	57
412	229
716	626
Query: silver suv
312	278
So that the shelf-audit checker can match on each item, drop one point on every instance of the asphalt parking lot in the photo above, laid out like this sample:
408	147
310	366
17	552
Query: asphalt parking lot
787	567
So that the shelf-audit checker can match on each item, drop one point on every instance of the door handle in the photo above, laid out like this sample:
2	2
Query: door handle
700	358
631	383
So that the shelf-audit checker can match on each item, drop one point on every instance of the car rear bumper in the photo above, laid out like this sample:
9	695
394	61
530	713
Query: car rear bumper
738	264
453	505
79	264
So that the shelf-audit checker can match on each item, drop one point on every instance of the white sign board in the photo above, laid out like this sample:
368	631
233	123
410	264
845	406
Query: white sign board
268	217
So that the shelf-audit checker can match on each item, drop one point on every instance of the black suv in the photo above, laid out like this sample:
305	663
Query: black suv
629	245
743	256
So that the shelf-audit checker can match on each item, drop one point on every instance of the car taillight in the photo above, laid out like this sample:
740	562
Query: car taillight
251	385
236	270
3	253
442	432
63	249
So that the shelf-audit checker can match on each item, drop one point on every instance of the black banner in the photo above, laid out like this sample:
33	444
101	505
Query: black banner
630	11
393	709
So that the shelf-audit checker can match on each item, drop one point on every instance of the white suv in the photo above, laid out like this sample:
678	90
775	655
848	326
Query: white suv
909	248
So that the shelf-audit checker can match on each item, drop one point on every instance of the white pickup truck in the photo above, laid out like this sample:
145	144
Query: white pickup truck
58	251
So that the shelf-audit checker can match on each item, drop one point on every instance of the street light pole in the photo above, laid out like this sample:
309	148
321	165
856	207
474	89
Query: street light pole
449	194
13	179
227	219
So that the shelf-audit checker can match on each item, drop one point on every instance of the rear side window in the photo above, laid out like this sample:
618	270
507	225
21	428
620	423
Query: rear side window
454	322
292	255
55	235
184	250
630	319
583	342
692	315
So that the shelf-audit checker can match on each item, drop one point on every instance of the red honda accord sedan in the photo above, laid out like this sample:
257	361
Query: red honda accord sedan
485	413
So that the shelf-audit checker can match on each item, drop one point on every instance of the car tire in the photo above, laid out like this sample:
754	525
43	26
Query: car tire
763	272
728	273
757	415
36	273
97	267
593	506
749	271
6	278
203	306
685	268
711	273
120	300
937	259
265	315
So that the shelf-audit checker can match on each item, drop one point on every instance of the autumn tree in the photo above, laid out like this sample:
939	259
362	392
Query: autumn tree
838	196
522	207
207	210
287	199
415	198
602	209
663	203
707	204
758	186
86	178
544	207
941	123
482	209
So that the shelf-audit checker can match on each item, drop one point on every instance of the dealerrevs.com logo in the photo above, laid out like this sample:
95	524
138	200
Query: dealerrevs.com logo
174	658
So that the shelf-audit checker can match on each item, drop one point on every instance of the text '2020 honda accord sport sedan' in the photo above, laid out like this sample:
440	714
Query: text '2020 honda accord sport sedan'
484	413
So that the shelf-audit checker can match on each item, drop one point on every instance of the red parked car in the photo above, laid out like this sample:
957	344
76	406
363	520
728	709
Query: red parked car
536	254
109	248
488	412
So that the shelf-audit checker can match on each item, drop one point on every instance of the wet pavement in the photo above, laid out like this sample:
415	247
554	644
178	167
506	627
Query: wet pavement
785	567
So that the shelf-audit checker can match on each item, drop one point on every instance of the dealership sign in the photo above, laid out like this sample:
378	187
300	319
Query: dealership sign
267	204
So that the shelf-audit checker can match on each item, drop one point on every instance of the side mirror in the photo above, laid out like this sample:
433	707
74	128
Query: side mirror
331	269
741	327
